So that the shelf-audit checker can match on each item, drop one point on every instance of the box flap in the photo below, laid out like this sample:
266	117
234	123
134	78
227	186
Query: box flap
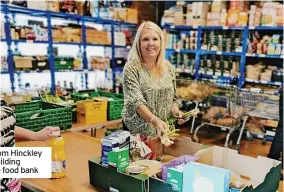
183	146
205	156
253	168
157	146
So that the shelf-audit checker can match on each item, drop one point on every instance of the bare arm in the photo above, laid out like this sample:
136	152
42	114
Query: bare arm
25	134
28	135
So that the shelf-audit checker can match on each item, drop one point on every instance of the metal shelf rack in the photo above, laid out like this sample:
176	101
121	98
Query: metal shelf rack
242	55
7	9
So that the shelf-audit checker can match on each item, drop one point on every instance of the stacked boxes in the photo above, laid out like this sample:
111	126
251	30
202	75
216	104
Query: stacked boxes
114	142
98	37
67	34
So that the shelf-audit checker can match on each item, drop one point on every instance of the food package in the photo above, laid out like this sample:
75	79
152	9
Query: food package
243	19
53	6
233	17
100	63
85	8
217	6
269	12
266	76
279	17
213	19
195	91
200	9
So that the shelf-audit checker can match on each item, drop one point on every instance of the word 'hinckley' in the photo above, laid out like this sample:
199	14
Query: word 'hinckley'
19	153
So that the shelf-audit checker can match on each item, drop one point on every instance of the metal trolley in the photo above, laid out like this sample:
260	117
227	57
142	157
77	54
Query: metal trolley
222	109
260	105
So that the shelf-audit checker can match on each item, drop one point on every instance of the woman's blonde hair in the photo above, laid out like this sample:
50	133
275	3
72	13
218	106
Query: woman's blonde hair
135	51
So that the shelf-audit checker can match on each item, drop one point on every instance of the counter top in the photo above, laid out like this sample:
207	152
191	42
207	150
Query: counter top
79	149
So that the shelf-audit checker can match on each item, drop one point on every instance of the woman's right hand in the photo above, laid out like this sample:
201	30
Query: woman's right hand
159	125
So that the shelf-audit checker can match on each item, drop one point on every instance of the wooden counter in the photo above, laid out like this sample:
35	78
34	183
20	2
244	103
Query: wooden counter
79	149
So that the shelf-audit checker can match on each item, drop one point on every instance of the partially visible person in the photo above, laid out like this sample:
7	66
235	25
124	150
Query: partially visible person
149	84
9	133
276	149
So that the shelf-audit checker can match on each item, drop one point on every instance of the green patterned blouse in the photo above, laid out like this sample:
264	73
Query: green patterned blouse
140	88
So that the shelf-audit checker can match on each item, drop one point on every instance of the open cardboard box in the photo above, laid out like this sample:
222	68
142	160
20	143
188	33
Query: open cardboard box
263	174
107	178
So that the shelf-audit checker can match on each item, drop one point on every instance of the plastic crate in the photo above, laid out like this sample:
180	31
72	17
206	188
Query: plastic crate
90	112
28	106
45	114
63	62
115	106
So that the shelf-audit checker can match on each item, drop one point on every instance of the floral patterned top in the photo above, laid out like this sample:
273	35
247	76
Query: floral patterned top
141	88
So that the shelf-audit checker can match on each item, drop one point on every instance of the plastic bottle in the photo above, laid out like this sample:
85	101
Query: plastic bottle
58	156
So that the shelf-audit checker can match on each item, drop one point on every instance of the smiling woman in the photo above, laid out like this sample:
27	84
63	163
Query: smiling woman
149	84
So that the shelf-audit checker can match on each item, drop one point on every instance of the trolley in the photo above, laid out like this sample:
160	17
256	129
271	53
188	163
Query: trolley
260	105
222	109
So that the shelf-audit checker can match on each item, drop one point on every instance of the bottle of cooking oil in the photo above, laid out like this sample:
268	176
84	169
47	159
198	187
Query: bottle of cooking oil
58	156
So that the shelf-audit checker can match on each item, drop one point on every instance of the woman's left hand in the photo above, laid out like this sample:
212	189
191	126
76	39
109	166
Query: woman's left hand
178	114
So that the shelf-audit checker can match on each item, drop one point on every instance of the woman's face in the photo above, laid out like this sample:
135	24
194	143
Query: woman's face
150	44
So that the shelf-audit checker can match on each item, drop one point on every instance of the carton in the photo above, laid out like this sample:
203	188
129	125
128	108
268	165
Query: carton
119	158
132	16
261	173
199	177
175	178
108	177
114	142
200	9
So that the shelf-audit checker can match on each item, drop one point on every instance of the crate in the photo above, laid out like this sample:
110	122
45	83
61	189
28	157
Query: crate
39	114
90	112
114	107
63	62
40	63
23	62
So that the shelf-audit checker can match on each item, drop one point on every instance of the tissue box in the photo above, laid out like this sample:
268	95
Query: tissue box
175	178
199	177
176	162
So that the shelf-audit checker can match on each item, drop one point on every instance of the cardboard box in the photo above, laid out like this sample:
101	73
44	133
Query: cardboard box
40	5
53	6
262	173
14	99
132	16
108	177
199	177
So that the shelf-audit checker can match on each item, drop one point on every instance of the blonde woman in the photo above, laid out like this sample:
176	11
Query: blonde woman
149	84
